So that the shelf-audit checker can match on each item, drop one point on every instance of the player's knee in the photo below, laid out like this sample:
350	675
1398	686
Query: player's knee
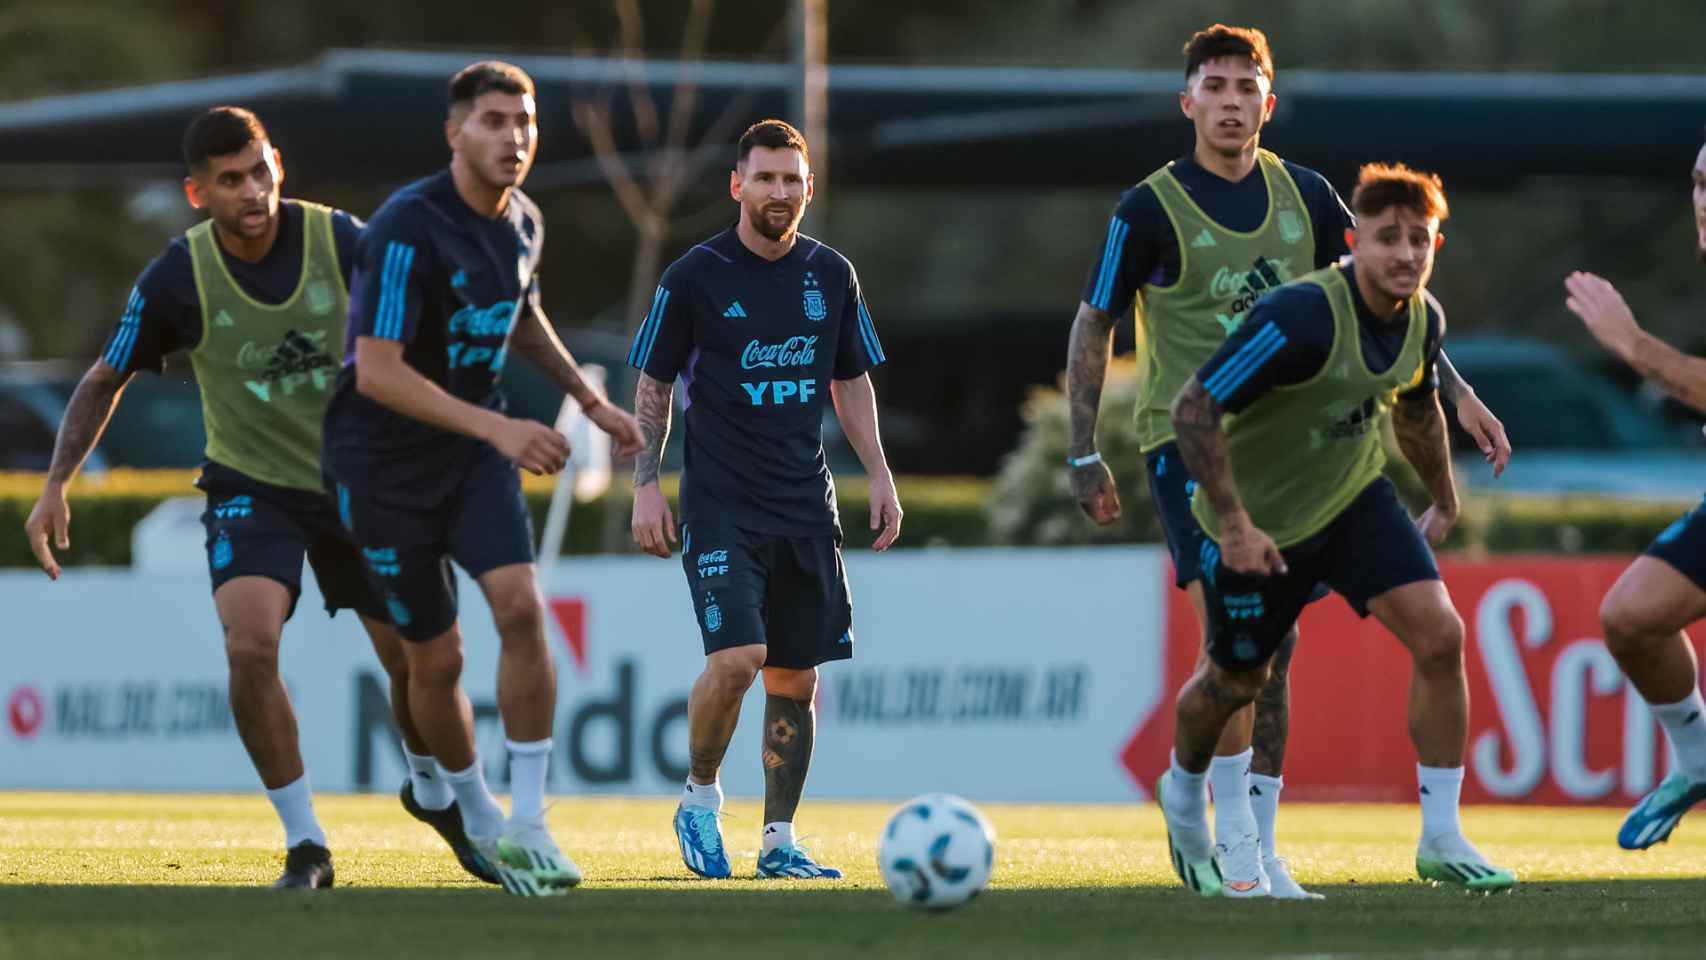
519	614
435	664
1234	688
1438	646
1626	621
793	684
251	651
736	668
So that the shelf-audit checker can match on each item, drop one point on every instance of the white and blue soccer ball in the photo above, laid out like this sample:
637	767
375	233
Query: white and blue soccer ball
936	852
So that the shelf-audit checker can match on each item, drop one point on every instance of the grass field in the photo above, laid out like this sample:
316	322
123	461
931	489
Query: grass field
108	875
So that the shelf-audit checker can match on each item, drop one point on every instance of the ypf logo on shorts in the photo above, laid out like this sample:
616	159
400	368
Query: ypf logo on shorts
25	712
713	563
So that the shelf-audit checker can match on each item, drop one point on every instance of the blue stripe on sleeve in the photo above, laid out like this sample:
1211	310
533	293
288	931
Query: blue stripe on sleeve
1255	353
641	353
393	291
1112	253
868	330
124	341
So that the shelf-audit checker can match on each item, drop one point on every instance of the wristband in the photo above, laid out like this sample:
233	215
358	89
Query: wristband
1085	460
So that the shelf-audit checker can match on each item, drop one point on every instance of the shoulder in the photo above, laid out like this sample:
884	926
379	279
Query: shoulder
532	219
413	207
1139	202
702	256
825	260
1436	314
1298	298
1312	185
169	273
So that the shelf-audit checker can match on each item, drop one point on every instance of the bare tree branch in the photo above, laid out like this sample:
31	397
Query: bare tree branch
594	121
634	61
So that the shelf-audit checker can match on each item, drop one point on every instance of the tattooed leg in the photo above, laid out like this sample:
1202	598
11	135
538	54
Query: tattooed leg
790	726
1273	712
713	707
1206	702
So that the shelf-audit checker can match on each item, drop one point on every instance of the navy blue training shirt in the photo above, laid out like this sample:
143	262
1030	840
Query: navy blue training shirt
448	284
755	343
1141	246
1302	316
163	314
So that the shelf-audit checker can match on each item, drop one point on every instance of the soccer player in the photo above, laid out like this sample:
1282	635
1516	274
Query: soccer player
1194	245
757	322
1281	430
424	459
1664	590
256	295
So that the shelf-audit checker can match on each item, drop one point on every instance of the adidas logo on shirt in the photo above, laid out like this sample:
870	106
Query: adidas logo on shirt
735	310
1204	239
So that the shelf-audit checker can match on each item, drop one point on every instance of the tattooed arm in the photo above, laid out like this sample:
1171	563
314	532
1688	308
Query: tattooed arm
1474	417
86	416
1087	355
1202	442
652	522
1612	323
1419	426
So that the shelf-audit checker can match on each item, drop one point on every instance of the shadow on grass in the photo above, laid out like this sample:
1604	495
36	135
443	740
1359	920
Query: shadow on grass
1624	918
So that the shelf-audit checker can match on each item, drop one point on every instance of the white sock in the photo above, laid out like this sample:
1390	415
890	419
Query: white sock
1187	793
778	834
528	763
1685	726
1264	803
1229	781
707	795
482	818
295	805
427	778
1439	790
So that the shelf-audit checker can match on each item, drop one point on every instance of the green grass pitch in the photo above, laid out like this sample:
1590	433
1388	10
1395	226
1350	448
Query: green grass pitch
111	875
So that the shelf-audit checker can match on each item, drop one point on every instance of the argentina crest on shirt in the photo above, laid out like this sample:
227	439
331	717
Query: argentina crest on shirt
812	299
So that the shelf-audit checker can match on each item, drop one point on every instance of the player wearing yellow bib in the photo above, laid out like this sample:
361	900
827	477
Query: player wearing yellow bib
256	294
1193	246
1281	429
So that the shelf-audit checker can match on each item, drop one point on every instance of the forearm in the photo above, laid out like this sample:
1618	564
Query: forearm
1087	353
392	383
537	340
1452	386
1419	427
856	408
86	417
1677	373
653	404
1202	442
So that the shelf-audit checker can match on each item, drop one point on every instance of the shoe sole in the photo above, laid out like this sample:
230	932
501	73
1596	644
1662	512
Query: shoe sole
1185	870
1469	875
462	850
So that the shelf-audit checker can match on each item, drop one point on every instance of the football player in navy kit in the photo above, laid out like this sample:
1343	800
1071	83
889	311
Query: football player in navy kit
423	459
760	324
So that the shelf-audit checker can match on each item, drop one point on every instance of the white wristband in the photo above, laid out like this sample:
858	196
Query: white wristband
1085	460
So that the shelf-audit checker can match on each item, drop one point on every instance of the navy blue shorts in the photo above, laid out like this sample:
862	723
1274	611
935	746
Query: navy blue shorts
256	529
1170	489
788	593
1371	547
1683	545
480	520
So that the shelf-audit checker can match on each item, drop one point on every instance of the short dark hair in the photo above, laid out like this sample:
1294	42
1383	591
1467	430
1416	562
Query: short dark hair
775	134
1381	186
220	132
486	76
1221	40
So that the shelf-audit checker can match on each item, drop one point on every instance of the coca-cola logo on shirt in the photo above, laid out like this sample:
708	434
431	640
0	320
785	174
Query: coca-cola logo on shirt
792	352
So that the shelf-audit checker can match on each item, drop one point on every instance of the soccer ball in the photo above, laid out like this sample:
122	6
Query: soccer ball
936	852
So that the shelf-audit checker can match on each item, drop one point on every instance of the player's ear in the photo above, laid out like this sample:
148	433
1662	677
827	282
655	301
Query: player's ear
277	167
1185	100
811	187
1439	241
734	184
192	192
452	131
1268	108
1350	238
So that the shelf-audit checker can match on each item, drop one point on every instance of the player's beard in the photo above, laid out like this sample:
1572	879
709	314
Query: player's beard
762	222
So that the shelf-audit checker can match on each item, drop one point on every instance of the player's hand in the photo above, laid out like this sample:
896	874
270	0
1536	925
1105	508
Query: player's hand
1093	485
624	430
49	523
885	512
534	447
1246	549
1488	433
1436	522
653	526
1602	309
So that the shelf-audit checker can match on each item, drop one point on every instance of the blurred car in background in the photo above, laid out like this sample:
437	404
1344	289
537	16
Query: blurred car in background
1573	429
157	423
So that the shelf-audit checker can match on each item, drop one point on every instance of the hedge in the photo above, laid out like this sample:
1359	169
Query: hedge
940	511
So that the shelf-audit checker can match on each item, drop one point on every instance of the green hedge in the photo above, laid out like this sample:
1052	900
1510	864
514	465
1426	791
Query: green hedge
940	511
